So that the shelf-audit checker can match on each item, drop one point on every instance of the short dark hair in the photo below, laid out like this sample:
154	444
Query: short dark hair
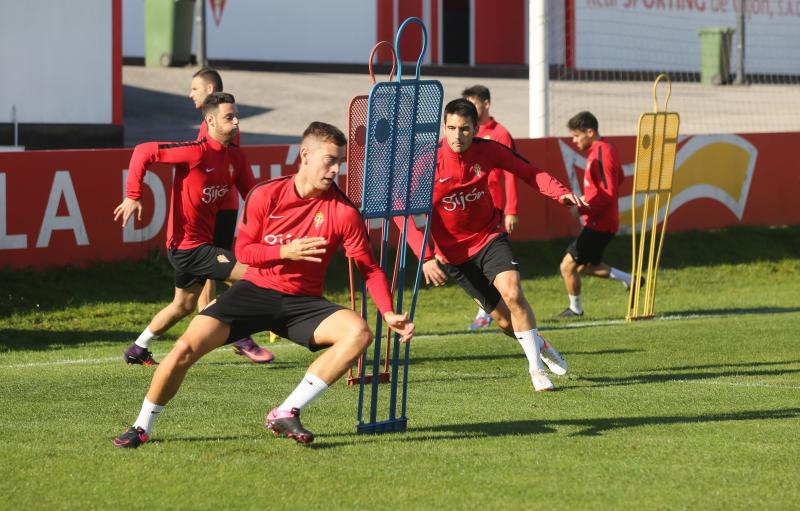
325	132
214	100
477	91
582	121
463	108
210	76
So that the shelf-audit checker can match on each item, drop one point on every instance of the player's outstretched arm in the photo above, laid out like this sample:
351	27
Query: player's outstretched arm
538	179
400	324
143	155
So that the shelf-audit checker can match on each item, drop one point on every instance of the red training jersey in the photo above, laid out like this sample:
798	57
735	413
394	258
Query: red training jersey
502	184
231	200
601	181
275	215
464	219
208	172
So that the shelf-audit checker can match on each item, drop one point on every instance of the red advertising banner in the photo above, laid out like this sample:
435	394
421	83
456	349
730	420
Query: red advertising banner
719	181
56	207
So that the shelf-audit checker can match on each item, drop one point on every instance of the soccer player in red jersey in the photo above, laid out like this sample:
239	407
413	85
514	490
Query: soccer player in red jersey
204	82
290	228
468	241
601	181
502	184
207	170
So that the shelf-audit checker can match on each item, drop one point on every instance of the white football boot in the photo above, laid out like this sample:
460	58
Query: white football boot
551	357
541	382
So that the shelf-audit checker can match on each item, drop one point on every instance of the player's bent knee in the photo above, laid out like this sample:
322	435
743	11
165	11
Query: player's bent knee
185	354
503	323
362	338
513	296
184	306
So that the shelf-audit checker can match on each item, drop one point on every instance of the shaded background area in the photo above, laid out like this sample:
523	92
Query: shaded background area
152	115
129	284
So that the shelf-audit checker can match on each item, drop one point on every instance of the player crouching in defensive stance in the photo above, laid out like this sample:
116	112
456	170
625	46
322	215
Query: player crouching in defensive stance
469	243
290	229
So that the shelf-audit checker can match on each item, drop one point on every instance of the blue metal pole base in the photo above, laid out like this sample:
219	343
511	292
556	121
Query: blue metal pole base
387	426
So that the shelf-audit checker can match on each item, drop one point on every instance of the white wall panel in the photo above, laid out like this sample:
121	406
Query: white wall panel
663	34
337	31
56	61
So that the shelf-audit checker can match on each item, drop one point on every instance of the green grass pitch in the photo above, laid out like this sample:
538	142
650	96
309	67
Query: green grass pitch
698	409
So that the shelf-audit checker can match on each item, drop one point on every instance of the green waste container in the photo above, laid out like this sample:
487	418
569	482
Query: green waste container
168	32
715	55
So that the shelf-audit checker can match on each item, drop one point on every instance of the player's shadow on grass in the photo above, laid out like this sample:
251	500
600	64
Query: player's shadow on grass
677	376
733	311
585	427
39	340
465	358
598	426
415	360
712	366
275	365
459	377
220	438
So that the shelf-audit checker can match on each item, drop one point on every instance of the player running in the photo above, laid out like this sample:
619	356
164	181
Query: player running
204	82
469	243
601	181
290	228
502	184
207	170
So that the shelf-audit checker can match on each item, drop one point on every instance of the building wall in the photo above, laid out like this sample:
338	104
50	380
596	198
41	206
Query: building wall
340	31
662	35
58	62
52	215
606	34
303	31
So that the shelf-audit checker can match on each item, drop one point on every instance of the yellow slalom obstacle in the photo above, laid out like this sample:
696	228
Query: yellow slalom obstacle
656	145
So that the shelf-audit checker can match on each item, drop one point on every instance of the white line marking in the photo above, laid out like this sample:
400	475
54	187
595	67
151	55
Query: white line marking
89	361
77	361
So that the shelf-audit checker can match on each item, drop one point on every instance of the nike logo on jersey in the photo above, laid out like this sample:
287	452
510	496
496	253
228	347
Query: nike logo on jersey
515	263
210	170
275	217
443	179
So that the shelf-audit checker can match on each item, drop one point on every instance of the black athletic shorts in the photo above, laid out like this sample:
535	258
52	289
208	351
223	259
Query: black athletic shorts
590	246
224	227
248	309
476	276
196	265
